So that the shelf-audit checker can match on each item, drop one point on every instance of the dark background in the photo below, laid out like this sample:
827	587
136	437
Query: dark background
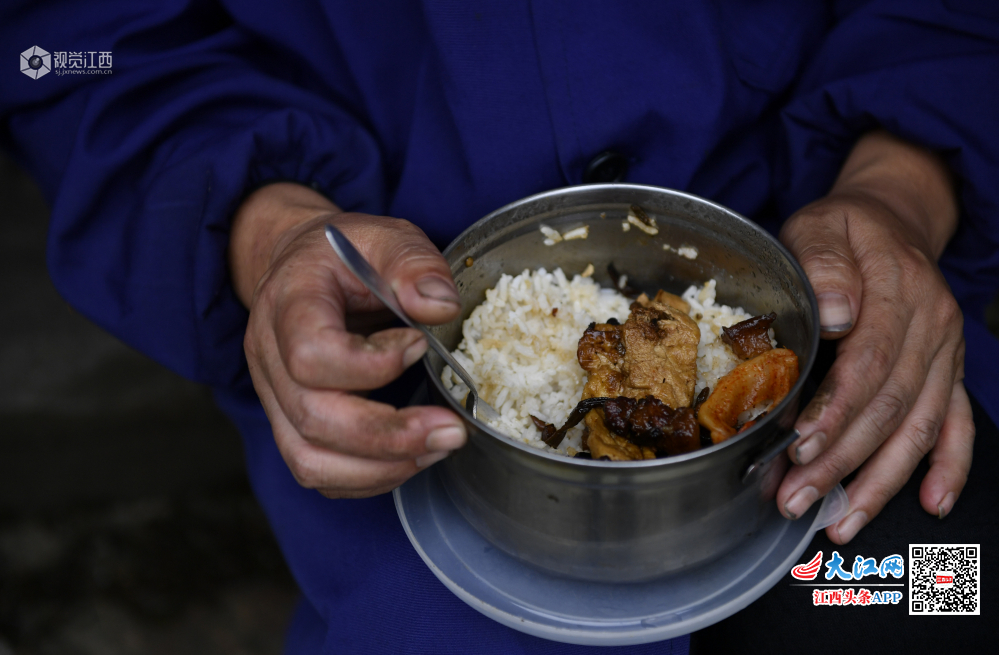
126	521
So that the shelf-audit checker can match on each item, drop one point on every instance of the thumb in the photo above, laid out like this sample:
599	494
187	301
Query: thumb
817	236
417	272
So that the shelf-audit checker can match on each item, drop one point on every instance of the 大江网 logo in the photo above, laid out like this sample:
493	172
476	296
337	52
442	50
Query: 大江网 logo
35	62
808	571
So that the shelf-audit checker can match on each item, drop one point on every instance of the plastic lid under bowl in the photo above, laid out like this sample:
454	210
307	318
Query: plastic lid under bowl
577	612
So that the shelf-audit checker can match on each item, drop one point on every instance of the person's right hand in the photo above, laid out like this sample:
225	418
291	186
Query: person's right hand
309	369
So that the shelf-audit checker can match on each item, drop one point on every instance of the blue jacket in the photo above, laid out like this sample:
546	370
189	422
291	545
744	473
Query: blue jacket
440	112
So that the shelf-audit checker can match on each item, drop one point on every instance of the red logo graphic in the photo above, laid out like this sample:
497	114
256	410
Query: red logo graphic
943	579
808	571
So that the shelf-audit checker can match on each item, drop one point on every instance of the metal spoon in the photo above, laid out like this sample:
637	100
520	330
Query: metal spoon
360	267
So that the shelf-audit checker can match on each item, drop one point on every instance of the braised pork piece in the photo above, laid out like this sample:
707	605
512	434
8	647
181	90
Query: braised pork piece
751	337
654	353
638	398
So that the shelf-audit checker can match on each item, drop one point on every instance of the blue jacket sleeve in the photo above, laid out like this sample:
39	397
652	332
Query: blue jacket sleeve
927	72
145	166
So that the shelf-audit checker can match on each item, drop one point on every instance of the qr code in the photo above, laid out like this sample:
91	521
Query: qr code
945	579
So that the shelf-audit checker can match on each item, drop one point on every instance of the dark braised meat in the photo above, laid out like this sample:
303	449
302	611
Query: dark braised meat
650	423
654	353
620	283
554	437
750	338
685	435
601	347
548	430
617	414
701	397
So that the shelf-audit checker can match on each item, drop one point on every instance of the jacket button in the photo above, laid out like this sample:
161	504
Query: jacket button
606	167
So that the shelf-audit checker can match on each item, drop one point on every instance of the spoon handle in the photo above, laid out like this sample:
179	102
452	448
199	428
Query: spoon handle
377	285
364	272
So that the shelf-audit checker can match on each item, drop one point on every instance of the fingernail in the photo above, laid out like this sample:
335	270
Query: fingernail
435	288
451	437
423	461
946	505
850	526
799	503
412	354
834	312
810	448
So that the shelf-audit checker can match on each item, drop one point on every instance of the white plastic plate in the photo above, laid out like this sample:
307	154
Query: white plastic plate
590	613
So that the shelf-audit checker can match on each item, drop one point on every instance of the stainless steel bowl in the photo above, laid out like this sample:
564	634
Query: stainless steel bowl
626	521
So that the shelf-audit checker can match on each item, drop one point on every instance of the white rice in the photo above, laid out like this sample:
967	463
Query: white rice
523	359
553	236
714	357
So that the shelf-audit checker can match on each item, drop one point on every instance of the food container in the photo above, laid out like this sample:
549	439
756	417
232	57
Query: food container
626	521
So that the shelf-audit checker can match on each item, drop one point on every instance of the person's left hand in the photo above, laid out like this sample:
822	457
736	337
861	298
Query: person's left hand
895	391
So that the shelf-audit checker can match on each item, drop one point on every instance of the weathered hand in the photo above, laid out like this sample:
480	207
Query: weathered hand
894	393
310	370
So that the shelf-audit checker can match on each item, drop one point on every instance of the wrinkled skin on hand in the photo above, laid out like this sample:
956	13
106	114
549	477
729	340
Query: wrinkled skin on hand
894	393
312	348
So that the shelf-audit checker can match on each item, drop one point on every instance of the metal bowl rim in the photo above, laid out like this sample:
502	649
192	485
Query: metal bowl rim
795	391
